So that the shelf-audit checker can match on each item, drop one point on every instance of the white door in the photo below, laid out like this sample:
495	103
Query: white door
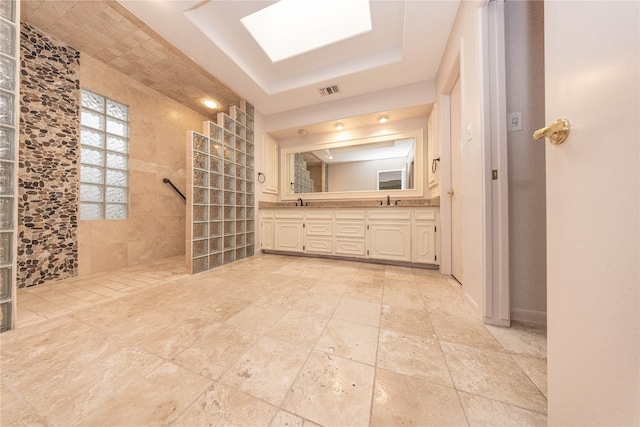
456	183
593	192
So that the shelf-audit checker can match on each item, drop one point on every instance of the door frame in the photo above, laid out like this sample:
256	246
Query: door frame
454	74
493	137
493	101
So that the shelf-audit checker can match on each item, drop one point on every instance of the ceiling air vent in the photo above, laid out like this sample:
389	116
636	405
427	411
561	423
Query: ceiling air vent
329	90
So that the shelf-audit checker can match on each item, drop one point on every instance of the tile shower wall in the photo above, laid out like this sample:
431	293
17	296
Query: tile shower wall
221	191
155	225
48	155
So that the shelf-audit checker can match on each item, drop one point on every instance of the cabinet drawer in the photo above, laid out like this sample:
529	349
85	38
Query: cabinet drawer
425	215
320	245
266	214
350	229
350	247
349	214
289	214
319	229
391	214
319	215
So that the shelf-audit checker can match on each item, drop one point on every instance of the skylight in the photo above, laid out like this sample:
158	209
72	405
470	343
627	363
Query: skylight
292	27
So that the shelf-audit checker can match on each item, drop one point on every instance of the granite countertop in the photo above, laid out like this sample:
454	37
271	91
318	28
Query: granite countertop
406	203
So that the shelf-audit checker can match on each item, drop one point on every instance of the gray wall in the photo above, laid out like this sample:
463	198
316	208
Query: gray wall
527	209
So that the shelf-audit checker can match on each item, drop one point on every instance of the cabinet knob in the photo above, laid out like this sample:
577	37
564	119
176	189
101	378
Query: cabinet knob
450	192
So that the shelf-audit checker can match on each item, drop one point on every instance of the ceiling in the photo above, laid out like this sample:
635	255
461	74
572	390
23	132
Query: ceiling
191	49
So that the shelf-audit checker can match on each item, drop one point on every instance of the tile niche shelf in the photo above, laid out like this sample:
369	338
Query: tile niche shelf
221	190
9	121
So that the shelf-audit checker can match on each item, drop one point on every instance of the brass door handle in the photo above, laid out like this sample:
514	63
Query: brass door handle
557	132
450	192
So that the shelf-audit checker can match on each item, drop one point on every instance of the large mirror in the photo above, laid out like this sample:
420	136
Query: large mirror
360	168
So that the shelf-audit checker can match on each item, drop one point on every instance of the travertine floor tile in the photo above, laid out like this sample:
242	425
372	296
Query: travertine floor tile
413	355
174	339
494	375
269	340
221	405
366	313
350	340
535	368
156	399
520	339
482	412
332	391
406	321
299	327
287	419
216	351
267	369
320	303
257	317
363	292
408	298
399	400
461	330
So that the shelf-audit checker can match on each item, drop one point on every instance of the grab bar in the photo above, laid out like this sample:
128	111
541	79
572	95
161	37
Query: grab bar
168	181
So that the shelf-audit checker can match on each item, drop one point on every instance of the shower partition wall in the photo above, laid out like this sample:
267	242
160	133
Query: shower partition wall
221	190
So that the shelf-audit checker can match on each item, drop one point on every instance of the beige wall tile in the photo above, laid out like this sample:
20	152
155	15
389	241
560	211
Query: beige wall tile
108	256
158	126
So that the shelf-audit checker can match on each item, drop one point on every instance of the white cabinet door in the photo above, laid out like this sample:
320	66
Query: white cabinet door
289	236
390	241
270	165
424	249
266	234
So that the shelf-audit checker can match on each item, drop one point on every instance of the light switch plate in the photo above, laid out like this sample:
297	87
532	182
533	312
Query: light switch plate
514	121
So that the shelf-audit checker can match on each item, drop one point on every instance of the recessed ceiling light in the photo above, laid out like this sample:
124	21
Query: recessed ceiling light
303	132
339	126
292	27
210	103
383	119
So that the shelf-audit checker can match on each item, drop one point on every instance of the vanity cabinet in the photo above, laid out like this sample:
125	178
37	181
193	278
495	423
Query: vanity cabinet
399	234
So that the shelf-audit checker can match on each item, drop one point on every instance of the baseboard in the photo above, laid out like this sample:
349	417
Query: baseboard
538	318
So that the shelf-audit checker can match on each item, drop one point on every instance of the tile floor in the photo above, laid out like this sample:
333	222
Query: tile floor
270	340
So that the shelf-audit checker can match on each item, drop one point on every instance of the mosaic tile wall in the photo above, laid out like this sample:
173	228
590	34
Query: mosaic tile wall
48	155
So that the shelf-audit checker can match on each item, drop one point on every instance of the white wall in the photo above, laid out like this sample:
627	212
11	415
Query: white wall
524	44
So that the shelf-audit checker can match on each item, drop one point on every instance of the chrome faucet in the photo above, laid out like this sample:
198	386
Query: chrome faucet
300	200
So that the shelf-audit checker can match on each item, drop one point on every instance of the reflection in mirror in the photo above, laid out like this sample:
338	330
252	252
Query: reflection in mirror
381	165
355	168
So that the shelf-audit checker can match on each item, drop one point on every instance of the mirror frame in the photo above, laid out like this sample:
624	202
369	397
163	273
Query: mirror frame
419	162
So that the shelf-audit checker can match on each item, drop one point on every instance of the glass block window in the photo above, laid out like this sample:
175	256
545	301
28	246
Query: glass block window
104	157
